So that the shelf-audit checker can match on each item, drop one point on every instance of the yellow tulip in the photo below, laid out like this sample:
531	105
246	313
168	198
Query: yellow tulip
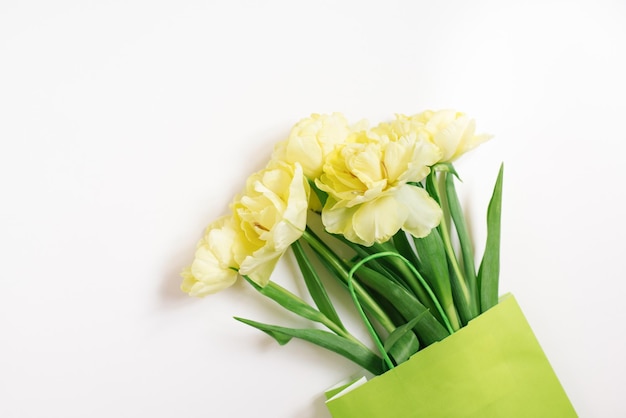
453	132
370	198
214	265
271	213
311	140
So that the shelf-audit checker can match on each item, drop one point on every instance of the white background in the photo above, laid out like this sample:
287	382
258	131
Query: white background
127	126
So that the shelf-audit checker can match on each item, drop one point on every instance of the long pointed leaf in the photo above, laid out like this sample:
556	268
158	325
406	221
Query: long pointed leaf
429	330
383	268
489	272
395	340
339	270
460	290
289	301
405	345
434	262
467	250
321	195
401	243
355	352
315	286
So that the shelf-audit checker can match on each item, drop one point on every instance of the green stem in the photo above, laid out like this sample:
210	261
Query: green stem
404	248
368	325
363	252
337	266
297	305
318	317
465	243
410	275
459	285
314	285
400	269
395	267
431	294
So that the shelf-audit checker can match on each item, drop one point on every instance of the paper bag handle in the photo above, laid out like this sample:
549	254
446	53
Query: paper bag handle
366	321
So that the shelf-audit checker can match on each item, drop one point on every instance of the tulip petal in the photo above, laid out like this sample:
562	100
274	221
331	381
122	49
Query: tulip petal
276	209
423	211
207	275
378	220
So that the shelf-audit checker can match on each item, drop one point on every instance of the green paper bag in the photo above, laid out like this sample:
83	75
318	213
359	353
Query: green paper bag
493	367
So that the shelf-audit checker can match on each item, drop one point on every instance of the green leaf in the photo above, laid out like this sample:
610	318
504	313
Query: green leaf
428	330
431	187
460	291
405	346
355	352
339	271
395	340
489	271
315	286
399	271
388	269
401	243
434	263
288	300
389	309
467	250
321	195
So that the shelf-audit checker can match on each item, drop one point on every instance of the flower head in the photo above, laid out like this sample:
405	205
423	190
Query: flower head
311	140
370	198
267	218
271	213
214	266
453	132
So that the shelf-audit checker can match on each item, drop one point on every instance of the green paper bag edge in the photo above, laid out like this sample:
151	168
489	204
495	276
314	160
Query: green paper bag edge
330	393
493	367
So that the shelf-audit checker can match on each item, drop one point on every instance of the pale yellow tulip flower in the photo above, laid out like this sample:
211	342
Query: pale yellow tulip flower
311	140
370	197
272	215
453	132
214	265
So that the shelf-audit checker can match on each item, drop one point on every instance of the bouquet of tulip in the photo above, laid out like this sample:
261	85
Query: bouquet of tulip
378	209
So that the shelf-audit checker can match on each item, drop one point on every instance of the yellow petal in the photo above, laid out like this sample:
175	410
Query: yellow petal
207	274
337	219
378	220
311	140
274	211
423	212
